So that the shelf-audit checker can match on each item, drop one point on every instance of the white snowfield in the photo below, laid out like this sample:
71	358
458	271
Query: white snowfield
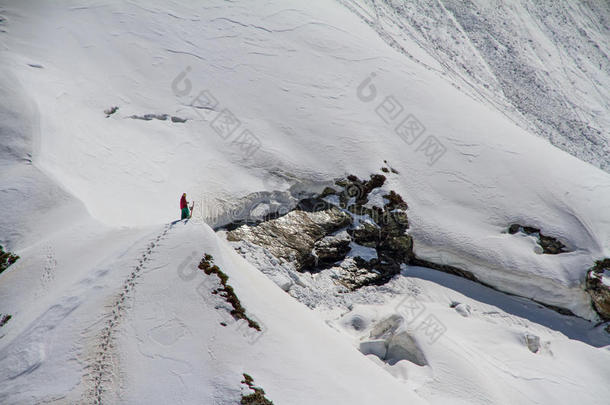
107	303
543	64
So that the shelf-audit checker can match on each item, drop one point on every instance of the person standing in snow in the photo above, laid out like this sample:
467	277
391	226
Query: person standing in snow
184	207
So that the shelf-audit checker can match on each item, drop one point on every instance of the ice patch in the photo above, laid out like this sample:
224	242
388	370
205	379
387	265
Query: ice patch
364	252
332	199
375	198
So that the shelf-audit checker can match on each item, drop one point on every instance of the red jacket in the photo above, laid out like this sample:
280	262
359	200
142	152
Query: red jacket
183	203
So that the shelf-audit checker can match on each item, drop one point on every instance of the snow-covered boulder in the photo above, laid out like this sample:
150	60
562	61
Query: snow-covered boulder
332	248
377	347
532	342
462	309
598	287
390	340
403	346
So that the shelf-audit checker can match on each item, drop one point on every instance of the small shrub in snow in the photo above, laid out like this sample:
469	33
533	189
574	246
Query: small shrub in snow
4	319
111	111
598	287
6	259
395	201
548	244
255	398
226	291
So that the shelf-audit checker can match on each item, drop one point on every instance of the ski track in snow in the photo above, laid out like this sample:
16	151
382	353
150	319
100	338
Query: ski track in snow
102	372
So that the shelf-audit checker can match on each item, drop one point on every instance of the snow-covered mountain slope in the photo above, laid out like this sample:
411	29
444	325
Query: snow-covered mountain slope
542	63
225	99
167	344
33	204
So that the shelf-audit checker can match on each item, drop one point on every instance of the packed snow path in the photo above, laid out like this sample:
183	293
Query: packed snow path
103	371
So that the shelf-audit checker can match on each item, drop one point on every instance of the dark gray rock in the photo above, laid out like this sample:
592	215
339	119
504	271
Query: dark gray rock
514	228
597	290
358	190
309	236
530	230
292	237
331	249
372	272
446	268
366	235
549	244
328	191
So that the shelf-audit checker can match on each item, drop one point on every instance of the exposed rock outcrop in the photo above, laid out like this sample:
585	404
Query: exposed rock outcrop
549	244
337	230
111	110
160	117
293	236
329	230
331	249
598	287
4	319
257	396
446	269
6	259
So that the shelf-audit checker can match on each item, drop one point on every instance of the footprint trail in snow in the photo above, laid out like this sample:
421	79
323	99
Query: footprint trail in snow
102	372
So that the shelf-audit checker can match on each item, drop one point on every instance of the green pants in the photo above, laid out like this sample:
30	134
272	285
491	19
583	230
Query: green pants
185	212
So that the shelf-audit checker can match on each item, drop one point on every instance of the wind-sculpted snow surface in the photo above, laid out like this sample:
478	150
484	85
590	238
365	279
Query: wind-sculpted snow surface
272	100
545	64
